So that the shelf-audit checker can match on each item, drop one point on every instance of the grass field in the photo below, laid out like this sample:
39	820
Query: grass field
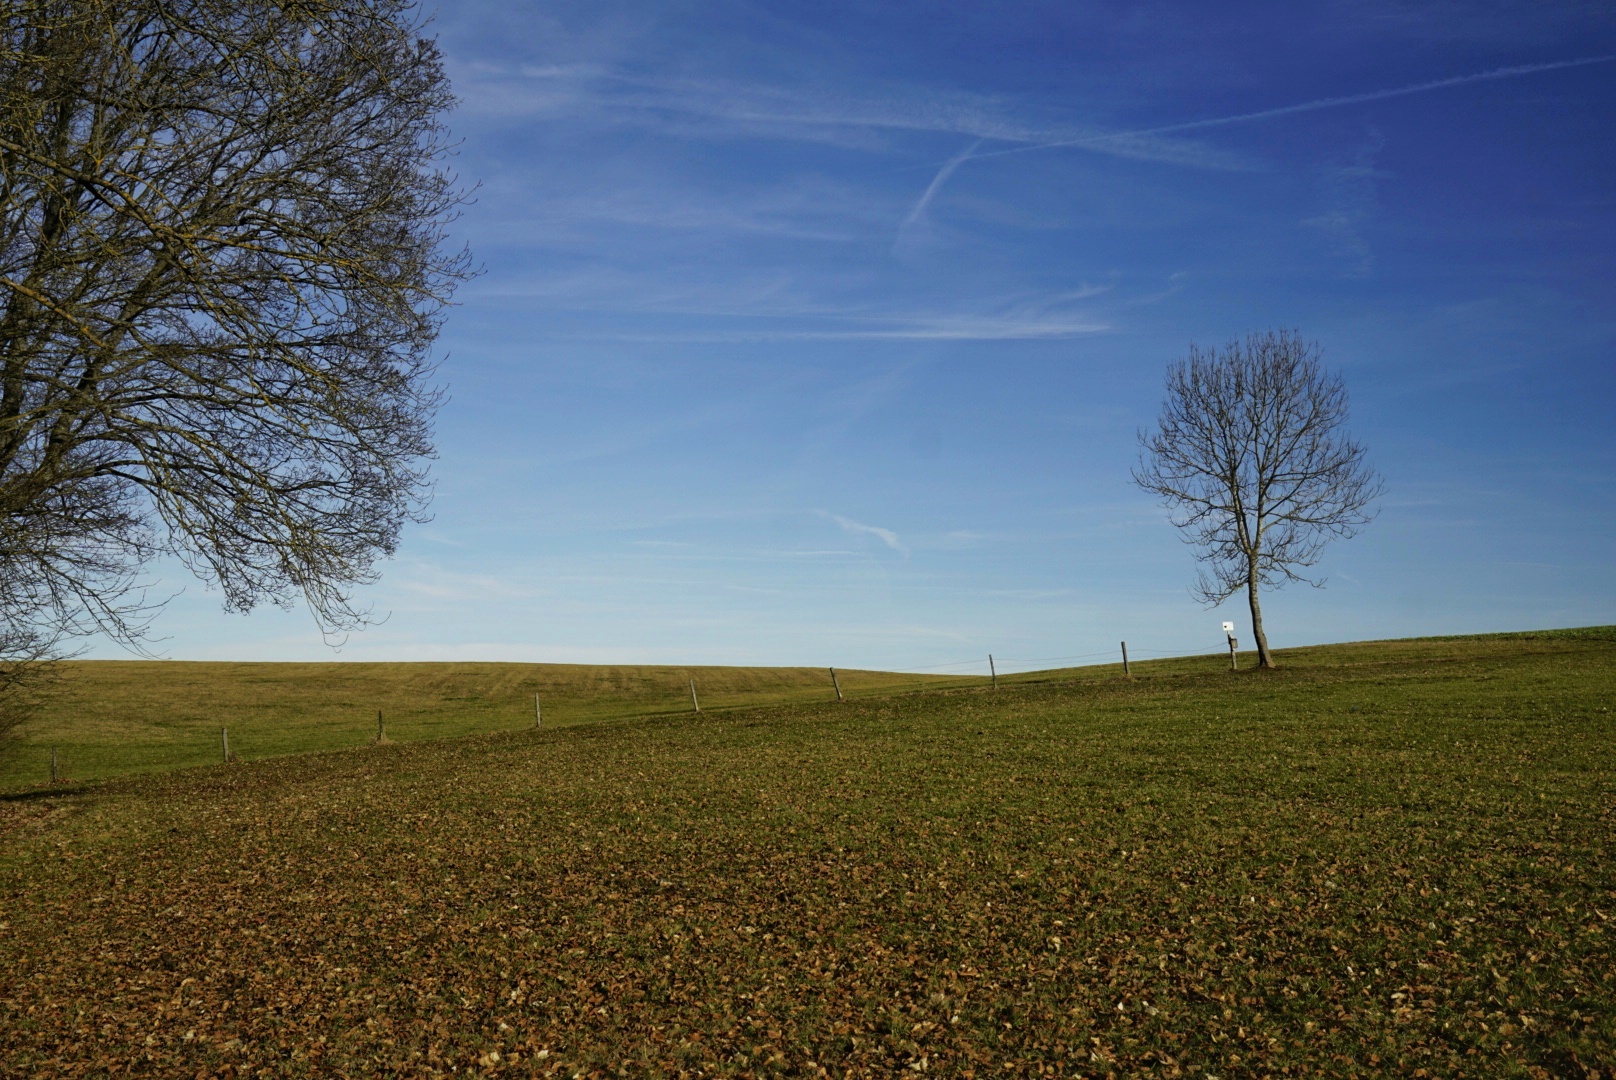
1383	859
111	718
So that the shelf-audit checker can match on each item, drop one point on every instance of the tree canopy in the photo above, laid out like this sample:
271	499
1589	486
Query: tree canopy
223	265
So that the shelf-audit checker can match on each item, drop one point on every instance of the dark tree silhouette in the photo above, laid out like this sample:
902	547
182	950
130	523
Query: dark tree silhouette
222	269
1250	456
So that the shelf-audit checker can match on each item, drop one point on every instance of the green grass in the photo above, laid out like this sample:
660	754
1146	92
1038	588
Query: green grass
114	718
111	718
1383	859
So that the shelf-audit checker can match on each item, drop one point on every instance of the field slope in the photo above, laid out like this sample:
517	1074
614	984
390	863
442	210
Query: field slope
1386	859
115	717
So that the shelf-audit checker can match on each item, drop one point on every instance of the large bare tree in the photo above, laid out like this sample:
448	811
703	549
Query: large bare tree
1251	457
222	269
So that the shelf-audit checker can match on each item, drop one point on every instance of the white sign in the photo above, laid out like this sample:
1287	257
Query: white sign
1228	628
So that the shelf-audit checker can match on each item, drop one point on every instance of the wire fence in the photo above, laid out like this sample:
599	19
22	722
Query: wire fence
1005	665
232	734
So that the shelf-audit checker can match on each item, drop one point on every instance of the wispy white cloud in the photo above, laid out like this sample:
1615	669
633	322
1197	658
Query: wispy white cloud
779	309
942	330
856	528
725	110
607	288
434	537
429	581
1350	202
579	208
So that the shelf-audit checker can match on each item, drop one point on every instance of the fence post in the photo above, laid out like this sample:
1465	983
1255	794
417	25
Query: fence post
694	703
224	738
993	671
55	776
381	733
538	713
834	682
1125	672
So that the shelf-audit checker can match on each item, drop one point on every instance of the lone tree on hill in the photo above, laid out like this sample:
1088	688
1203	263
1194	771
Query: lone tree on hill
222	269
1250	456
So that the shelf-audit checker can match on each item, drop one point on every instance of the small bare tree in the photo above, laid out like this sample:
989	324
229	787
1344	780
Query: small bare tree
1250	456
221	274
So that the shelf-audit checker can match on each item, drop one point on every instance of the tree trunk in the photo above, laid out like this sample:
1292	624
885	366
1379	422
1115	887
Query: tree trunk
1265	659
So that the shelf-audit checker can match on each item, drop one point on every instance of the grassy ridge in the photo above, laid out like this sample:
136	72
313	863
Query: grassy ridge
111	717
1399	864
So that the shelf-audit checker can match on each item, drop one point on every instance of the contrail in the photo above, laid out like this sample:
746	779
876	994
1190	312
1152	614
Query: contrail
1289	110
939	180
1316	105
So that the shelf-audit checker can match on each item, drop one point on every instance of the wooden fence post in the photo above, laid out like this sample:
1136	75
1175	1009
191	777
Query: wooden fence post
694	703
834	682
538	713
381	733
55	776
993	671
1125	672
224	738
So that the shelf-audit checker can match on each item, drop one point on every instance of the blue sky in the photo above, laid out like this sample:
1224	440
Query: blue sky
821	333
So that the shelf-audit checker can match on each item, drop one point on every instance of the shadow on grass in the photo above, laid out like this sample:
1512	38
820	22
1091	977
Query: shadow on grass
45	791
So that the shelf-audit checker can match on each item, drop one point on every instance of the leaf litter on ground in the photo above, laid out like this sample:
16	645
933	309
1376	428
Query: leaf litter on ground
1393	868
